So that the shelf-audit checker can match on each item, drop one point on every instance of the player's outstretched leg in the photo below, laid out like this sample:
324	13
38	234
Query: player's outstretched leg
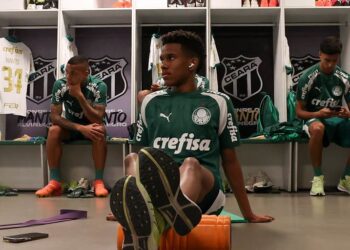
160	175
133	209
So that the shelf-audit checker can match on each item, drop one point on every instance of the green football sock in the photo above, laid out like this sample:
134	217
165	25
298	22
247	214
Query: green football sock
99	174
55	174
346	172
318	171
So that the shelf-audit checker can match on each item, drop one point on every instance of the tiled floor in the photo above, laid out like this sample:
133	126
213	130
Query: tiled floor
302	222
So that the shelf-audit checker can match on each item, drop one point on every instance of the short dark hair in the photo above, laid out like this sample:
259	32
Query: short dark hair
78	60
190	41
331	45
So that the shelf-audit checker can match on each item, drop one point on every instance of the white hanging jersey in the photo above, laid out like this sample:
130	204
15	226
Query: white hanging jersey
287	62
16	64
214	61
69	49
154	62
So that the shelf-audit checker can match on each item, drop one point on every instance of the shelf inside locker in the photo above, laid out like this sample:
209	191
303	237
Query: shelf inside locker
98	16
29	18
245	16
171	16
317	15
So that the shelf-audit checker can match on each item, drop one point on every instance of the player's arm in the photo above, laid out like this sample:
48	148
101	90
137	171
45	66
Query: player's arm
302	113
233	172
345	111
57	119
94	131
94	113
302	97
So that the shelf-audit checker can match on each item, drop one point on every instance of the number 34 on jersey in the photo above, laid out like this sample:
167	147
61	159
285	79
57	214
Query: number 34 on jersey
16	63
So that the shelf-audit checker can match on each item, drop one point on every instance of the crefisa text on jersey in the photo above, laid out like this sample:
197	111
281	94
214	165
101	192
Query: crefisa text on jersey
231	127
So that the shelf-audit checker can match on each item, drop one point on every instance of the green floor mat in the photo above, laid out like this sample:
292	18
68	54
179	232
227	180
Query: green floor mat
234	218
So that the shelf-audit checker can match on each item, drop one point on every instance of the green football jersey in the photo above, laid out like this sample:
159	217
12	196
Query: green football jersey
95	92
197	124
318	90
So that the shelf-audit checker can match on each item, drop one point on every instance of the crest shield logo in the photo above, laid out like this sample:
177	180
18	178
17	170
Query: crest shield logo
300	64
242	79
111	71
40	86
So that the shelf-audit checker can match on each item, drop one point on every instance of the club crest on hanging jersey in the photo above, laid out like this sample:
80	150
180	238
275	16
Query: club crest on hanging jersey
242	79
111	71
201	116
41	82
300	64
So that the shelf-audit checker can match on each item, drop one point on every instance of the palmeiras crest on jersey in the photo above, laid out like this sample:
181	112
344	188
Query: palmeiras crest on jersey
41	82
242	79
111	71
300	64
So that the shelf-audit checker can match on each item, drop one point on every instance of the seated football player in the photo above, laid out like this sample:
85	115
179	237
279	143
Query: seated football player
176	179
84	100
323	101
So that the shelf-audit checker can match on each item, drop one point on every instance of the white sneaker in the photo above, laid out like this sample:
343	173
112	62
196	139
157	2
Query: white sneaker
317	188
254	4
262	180
344	185
249	183
246	3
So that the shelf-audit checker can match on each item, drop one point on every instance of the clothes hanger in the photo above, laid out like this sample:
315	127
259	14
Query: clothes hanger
157	35
70	38
11	37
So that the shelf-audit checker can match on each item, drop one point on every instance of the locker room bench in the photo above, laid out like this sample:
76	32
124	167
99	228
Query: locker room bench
23	165
275	158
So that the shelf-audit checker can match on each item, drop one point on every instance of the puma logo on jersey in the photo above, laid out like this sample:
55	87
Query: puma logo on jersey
165	116
186	141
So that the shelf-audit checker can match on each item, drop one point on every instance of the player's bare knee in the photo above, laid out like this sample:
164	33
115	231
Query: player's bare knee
317	129
55	132
103	128
130	164
191	164
142	94
130	158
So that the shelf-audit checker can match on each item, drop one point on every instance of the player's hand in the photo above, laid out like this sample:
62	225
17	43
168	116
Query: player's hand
155	87
260	218
344	113
75	90
326	113
94	132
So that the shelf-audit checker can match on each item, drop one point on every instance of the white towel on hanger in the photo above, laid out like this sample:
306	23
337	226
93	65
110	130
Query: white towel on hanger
154	62
214	62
